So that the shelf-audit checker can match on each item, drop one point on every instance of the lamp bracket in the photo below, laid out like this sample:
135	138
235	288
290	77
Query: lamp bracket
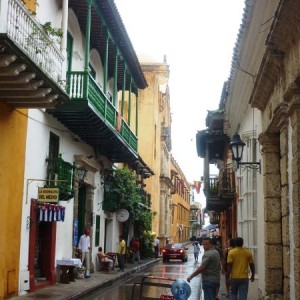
251	165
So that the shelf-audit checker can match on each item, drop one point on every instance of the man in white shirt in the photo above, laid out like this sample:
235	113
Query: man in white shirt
84	246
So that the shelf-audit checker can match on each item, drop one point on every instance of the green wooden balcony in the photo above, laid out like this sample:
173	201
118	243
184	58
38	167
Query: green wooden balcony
61	175
94	119
111	201
145	199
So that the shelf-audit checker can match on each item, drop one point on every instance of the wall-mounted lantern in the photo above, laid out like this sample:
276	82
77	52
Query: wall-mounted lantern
237	147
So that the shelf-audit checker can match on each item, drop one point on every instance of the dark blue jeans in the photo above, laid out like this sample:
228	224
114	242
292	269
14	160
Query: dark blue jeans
210	289
239	287
121	260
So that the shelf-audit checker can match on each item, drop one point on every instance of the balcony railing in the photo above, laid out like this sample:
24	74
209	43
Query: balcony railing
82	86
26	32
60	175
193	219
213	186
227	182
214	218
111	201
145	199
220	185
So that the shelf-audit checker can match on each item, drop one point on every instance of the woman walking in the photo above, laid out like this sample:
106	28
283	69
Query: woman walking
196	250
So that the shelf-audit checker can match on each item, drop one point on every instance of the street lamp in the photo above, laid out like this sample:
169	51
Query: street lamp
81	173
237	148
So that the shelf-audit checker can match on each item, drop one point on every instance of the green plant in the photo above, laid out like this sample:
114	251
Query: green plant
124	185
52	32
147	249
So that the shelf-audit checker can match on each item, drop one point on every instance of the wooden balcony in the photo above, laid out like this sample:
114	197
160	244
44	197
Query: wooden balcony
61	175
214	218
30	62
111	202
219	192
92	117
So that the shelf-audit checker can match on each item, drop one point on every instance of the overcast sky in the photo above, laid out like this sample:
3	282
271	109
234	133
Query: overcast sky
197	37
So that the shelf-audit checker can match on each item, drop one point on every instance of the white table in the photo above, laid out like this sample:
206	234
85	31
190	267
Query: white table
67	266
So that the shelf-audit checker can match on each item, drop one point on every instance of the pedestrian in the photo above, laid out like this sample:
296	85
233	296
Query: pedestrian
239	261
135	247
196	250
84	247
230	245
156	246
104	258
121	253
216	246
210	270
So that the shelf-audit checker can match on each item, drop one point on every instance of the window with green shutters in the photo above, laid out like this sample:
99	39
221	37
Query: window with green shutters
97	233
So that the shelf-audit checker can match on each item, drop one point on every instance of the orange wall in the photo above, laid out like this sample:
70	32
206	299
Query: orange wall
13	128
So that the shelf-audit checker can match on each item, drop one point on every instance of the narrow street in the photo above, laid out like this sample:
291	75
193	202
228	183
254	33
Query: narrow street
122	289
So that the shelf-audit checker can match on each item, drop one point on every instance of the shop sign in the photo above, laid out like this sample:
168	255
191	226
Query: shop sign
48	195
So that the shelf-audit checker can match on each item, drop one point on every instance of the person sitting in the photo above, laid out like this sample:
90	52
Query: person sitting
105	259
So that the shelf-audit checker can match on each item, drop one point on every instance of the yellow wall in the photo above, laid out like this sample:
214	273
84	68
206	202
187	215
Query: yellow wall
148	136
153	114
181	207
13	128
31	5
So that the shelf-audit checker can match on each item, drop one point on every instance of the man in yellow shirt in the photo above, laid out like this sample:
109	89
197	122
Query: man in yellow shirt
239	261
121	253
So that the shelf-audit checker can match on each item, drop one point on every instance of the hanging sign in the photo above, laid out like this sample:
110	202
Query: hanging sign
48	195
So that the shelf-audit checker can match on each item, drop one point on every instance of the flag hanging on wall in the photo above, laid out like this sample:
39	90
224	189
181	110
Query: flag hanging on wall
197	185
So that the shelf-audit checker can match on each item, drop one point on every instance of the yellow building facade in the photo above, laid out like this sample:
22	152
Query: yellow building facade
155	144
13	128
180	204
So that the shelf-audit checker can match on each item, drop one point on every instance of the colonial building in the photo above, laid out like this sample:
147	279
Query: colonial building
155	142
261	114
67	71
180	204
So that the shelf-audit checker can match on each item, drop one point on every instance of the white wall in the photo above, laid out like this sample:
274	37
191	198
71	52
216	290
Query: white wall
39	126
252	123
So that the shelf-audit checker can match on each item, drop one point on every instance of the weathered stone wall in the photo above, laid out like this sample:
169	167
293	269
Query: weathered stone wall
272	205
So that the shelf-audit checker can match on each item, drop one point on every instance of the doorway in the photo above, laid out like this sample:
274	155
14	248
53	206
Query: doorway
42	240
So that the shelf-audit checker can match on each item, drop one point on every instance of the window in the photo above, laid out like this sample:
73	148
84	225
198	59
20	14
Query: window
247	206
53	145
97	233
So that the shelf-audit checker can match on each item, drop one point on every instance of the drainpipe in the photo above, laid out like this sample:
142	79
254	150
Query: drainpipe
123	88
105	77
129	102
137	113
87	48
63	45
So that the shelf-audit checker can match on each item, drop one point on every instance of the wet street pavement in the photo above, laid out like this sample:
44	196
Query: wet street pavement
115	285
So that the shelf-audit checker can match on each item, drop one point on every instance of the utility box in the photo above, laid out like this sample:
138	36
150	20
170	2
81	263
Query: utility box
24	281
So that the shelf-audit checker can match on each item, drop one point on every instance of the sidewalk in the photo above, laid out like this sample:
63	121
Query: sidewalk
81	287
